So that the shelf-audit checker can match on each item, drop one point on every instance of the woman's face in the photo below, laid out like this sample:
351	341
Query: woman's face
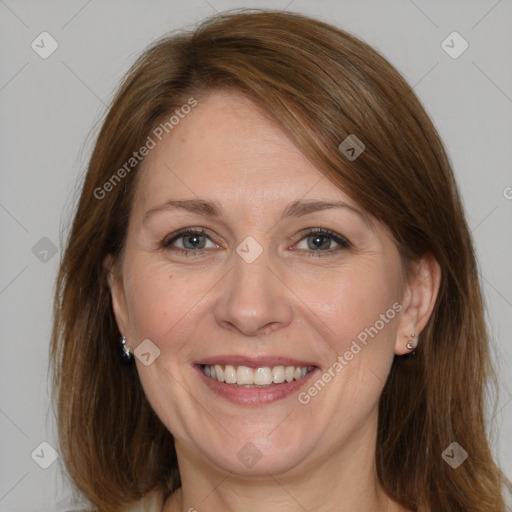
280	274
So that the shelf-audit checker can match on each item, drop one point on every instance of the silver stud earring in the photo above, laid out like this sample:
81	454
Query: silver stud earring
125	350
412	344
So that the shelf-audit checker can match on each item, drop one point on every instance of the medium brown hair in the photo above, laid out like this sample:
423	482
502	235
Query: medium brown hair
321	84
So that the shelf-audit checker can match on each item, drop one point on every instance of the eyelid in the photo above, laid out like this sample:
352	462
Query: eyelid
342	241
168	240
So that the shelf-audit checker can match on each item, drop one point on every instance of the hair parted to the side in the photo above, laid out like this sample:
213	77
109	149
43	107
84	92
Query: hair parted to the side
321	84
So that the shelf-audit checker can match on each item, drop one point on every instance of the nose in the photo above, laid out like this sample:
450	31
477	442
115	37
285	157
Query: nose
253	299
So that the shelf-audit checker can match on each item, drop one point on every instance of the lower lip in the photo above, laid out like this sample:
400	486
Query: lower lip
254	396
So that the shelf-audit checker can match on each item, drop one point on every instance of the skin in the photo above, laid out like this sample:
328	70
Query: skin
291	301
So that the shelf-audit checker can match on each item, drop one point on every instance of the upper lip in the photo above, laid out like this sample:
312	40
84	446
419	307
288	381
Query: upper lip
254	362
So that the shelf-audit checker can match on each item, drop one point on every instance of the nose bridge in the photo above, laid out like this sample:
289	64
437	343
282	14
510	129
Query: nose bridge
252	276
252	298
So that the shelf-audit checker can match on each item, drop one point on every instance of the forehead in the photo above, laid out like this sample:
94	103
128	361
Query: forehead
229	149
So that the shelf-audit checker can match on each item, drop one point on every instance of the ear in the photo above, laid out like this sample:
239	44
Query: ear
418	301
115	283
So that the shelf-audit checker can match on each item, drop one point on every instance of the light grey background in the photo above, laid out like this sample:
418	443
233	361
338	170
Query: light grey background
50	111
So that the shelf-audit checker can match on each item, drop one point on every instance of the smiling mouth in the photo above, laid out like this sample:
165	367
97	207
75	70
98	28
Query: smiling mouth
261	377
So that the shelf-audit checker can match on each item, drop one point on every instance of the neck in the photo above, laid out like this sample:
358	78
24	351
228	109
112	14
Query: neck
344	481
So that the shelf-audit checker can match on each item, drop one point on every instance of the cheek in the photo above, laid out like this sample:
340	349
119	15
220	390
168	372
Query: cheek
158	300
162	307
167	305
357	312
358	304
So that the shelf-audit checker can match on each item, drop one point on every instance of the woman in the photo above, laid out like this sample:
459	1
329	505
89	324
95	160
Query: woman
269	298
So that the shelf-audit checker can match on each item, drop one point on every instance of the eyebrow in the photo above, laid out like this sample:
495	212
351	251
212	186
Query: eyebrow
297	208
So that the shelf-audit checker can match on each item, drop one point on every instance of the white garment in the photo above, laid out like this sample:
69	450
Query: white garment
152	502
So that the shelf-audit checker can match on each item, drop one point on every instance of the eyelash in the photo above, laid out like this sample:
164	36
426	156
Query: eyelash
340	240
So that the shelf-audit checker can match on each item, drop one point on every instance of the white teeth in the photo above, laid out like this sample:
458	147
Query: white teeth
263	376
229	374
278	374
252	377
244	375
219	372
